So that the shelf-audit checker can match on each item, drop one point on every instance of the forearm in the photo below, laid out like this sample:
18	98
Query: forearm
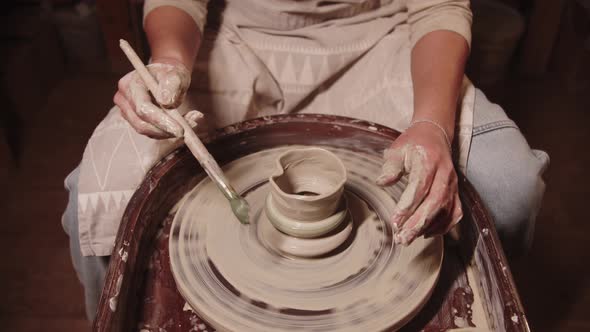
173	36
438	65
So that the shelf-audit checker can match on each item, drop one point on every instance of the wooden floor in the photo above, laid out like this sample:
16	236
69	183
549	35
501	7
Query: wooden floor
39	288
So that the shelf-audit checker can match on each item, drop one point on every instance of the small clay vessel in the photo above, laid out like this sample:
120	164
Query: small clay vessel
306	202
308	184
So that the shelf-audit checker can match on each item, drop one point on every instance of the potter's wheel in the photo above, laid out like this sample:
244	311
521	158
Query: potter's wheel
236	281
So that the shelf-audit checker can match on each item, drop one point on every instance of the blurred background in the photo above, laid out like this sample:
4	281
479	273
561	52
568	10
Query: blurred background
59	64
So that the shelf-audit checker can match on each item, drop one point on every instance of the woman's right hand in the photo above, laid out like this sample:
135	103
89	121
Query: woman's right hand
135	102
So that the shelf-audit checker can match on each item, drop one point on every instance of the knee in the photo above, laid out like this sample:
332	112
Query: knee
515	199
512	188
91	271
70	215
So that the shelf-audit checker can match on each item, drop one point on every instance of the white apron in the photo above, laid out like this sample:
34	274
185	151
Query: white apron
258	60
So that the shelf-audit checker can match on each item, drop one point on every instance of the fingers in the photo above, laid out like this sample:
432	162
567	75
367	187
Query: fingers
456	215
420	179
393	167
173	81
434	207
192	117
437	214
138	124
418	222
429	204
441	226
136	105
139	97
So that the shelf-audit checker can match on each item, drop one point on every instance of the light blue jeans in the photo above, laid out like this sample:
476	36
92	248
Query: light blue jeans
501	166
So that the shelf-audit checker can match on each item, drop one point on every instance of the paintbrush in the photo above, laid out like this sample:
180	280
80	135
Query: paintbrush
238	204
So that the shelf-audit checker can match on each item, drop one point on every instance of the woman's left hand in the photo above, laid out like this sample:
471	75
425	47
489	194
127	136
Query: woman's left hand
430	203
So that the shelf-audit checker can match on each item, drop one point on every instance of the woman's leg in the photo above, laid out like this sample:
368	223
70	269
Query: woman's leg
507	174
91	270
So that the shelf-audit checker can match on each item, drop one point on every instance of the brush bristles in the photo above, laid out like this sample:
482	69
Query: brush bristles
241	209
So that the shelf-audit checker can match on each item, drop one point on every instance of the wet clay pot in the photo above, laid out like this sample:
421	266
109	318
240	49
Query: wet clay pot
308	184
306	202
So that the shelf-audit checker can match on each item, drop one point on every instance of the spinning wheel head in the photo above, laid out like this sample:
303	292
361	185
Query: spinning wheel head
239	278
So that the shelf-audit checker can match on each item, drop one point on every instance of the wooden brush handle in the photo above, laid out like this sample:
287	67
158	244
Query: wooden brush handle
190	137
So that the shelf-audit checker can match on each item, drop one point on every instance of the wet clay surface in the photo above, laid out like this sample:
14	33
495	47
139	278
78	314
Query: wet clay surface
162	305
367	284
475	285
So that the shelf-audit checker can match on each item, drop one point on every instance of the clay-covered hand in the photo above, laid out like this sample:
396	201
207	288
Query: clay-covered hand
136	105
430	203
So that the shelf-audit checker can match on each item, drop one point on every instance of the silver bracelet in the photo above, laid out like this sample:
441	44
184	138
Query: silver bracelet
437	126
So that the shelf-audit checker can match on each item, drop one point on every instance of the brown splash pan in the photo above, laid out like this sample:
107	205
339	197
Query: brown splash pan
140	292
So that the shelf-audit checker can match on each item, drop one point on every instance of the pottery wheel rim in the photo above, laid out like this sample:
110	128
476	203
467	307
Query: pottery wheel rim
205	275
